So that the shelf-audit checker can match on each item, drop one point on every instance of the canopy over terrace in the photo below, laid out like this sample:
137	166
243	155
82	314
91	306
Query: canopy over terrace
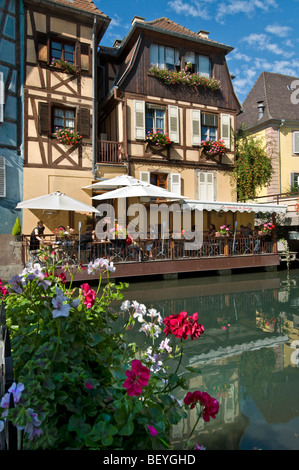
236	207
232	213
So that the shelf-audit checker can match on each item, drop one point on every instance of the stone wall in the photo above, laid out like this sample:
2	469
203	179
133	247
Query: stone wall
11	257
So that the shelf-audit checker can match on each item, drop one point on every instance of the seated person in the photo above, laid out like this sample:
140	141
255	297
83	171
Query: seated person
87	237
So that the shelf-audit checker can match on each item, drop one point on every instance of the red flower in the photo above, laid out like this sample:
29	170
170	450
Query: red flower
182	326
89	295
62	277
210	405
138	377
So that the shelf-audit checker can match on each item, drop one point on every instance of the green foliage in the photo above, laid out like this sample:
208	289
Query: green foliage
17	229
73	363
253	169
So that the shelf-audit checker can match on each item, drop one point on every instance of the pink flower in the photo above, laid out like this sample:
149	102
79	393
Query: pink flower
89	295
152	430
138	377
89	386
210	405
182	326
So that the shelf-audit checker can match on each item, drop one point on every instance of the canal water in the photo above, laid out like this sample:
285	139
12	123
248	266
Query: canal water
247	355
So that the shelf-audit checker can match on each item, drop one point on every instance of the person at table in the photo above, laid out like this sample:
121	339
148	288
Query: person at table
212	231
87	237
37	236
248	232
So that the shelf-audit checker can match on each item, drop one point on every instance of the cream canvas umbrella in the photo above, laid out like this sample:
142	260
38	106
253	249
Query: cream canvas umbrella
56	201
138	190
120	180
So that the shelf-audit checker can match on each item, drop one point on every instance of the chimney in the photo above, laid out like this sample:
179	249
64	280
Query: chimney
137	19
203	34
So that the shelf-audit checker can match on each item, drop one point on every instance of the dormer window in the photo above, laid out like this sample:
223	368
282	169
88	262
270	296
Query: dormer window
261	109
164	57
199	64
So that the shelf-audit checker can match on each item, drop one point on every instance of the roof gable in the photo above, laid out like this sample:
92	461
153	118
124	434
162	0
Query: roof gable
274	91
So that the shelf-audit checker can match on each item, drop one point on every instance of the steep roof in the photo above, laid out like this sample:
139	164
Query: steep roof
84	5
274	91
167	26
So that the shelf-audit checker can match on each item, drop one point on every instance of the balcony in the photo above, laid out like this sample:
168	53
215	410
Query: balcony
110	152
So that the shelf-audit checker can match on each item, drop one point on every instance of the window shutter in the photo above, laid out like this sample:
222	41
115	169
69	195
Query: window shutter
225	129
145	176
206	187
2	177
44	118
292	179
139	120
85	56
296	142
175	183
195	127
42	46
2	99
173	117
84	122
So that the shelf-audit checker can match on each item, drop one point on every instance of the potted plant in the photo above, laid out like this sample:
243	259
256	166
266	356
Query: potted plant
158	138
64	65
67	136
17	230
214	147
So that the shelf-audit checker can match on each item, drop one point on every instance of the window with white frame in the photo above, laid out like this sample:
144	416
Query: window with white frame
209	126
206	186
150	117
155	118
200	64
296	142
164	57
294	180
169	181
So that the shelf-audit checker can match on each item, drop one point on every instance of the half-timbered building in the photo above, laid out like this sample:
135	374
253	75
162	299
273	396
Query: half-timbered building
61	39
145	84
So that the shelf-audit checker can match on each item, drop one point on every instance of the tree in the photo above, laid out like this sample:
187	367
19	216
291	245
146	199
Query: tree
253	169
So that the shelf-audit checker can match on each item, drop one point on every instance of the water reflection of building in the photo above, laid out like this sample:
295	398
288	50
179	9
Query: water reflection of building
242	353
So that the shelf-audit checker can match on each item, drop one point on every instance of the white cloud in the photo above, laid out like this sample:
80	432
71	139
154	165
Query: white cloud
248	7
262	42
278	30
194	8
239	56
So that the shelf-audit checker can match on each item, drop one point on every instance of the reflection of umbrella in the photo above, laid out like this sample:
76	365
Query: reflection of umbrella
139	190
121	180
56	201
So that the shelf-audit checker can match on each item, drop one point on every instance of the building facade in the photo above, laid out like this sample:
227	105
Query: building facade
11	80
271	113
145	85
61	39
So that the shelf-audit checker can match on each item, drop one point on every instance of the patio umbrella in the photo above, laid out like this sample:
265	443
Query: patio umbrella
56	201
138	190
120	180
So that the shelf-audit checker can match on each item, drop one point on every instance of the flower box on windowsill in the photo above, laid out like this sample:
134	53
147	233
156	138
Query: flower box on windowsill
158	139
65	66
67	136
213	148
184	77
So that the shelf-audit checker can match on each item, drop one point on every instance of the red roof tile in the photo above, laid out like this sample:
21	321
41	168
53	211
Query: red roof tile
85	5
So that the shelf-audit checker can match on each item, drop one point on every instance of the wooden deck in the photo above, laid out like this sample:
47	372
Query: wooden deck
157	257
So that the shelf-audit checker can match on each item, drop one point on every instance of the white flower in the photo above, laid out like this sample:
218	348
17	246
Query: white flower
125	305
61	309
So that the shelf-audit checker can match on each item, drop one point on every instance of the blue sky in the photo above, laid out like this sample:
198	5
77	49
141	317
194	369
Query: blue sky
263	33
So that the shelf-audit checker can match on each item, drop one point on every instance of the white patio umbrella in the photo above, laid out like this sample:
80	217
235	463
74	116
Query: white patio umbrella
120	180
138	190
56	201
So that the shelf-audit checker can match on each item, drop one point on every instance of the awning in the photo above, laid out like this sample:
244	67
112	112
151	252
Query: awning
235	207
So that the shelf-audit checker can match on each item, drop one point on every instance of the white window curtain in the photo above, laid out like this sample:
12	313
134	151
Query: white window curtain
203	66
